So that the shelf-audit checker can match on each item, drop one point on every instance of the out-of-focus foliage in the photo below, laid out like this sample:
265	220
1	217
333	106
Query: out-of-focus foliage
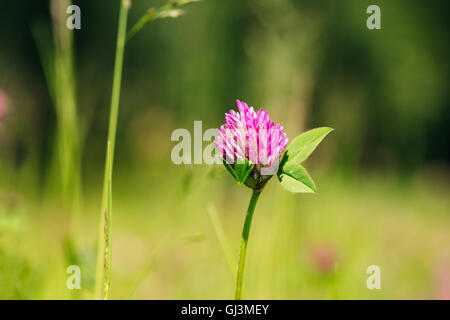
308	62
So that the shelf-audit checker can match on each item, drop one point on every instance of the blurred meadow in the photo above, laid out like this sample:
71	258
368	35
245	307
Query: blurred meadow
382	175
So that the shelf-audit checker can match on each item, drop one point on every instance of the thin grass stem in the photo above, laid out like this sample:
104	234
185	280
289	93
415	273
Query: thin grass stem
105	226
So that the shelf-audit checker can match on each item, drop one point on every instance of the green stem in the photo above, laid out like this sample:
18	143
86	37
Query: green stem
149	16
108	230
104	260
244	241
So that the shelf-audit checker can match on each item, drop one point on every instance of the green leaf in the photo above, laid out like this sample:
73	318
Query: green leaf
303	145
242	170
295	178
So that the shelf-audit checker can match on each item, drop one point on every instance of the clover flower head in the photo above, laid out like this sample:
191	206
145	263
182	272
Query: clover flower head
251	145
252	136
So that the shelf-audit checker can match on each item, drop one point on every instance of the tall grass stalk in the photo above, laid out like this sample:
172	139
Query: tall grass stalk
57	60
66	105
107	228
105	234
56	52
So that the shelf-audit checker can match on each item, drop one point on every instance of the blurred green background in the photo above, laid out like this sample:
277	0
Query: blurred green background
382	176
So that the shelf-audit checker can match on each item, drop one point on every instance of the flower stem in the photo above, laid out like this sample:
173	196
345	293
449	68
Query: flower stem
103	271
244	241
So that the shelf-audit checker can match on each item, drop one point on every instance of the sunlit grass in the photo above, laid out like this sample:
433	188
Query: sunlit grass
369	220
